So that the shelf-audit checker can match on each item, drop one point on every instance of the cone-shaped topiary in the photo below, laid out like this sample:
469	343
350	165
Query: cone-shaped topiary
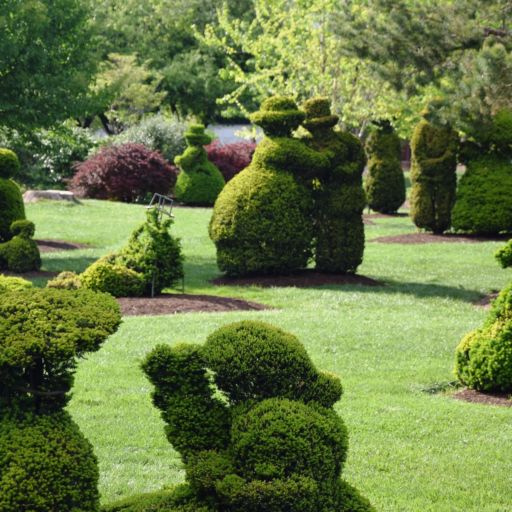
199	181
263	435
261	222
45	462
338	193
20	253
433	175
385	184
484	194
11	200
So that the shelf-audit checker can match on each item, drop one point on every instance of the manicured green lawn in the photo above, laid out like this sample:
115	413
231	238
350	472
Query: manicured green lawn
410	450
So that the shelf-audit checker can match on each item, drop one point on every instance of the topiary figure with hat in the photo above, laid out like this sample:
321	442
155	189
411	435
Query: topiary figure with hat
11	200
199	181
433	172
338	193
385	184
261	222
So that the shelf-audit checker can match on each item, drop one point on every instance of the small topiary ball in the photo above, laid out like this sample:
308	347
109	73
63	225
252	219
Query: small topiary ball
46	464
65	281
20	254
9	163
504	255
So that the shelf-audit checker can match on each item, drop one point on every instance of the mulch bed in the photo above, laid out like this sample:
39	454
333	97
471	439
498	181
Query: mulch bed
303	279
376	215
485	302
184	303
58	245
31	275
430	238
470	395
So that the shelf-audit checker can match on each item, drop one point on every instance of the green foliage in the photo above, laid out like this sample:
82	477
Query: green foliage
338	193
9	163
154	253
46	464
483	196
385	185
20	253
199	181
504	255
11	207
433	176
105	275
42	332
484	356
13	284
261	221
65	281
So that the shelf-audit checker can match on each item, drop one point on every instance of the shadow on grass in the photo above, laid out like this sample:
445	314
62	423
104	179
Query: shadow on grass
74	263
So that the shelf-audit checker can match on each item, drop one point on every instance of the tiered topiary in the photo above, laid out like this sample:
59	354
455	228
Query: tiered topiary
385	184
11	200
261	222
150	262
338	193
20	253
199	181
483	203
484	356
433	175
261	437
45	461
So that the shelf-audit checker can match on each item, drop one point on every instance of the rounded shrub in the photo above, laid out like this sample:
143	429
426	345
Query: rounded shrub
106	276
65	281
46	464
433	176
13	284
199	181
20	254
504	255
11	200
338	193
232	158
129	172
385	184
262	219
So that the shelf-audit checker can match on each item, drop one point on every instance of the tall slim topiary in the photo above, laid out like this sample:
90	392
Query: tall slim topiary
484	194
263	435
199	181
11	200
385	184
433	175
45	461
339	198
261	222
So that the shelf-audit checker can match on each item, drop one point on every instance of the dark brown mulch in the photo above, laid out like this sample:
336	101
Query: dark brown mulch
183	303
430	238
485	302
58	245
31	275
470	395
303	279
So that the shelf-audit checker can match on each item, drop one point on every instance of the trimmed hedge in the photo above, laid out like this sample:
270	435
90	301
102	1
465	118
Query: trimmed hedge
385	184
11	200
433	176
13	284
199	181
65	281
20	253
504	255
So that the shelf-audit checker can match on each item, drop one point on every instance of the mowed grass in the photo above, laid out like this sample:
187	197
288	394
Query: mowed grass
410	449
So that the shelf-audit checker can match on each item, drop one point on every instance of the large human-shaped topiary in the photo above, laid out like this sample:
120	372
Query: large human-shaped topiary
484	356
433	175
262	219
385	184
45	461
253	420
20	253
484	195
11	200
339	198
199	181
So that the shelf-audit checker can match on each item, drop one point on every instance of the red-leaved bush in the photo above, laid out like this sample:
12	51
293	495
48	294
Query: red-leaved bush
127	173
230	158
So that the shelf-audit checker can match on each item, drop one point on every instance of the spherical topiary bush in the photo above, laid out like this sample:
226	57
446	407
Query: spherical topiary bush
11	200
504	255
433	176
338	193
46	464
262	219
20	254
199	181
127	173
385	184
248	414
